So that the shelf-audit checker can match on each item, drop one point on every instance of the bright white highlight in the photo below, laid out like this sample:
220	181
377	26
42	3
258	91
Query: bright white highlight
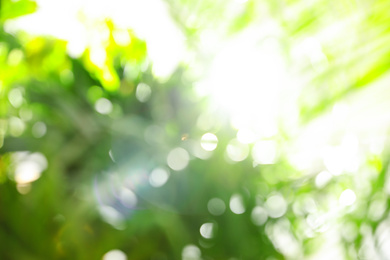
206	230
237	151
178	159
115	254
158	177
191	252
29	167
209	141
112	216
276	206
143	92
103	106
237	204
245	81
246	136
259	216
15	97
121	37
166	46
347	197
264	152
128	198
322	179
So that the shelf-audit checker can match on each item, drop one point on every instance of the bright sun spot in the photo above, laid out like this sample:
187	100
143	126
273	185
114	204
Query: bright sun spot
209	141
245	80
347	197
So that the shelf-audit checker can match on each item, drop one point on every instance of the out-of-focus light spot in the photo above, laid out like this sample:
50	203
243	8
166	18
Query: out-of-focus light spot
333	160
112	217
29	167
94	93
111	154
264	152
191	252
25	114
347	197
257	100
311	47
197	150
206	230
349	231
377	145
76	48
178	159
108	76
236	204
27	172
283	239
246	136
23	188
350	148
136	178
322	179
66	77
316	222
158	177
340	112
143	92
115	254
276	206
344	157
121	37
377	209
309	205
15	97
98	55
39	129
216	206
209	141
128	198
259	215
103	106
15	57
237	151
16	126
301	160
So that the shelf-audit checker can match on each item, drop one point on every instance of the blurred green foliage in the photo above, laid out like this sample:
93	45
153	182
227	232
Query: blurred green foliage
103	126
